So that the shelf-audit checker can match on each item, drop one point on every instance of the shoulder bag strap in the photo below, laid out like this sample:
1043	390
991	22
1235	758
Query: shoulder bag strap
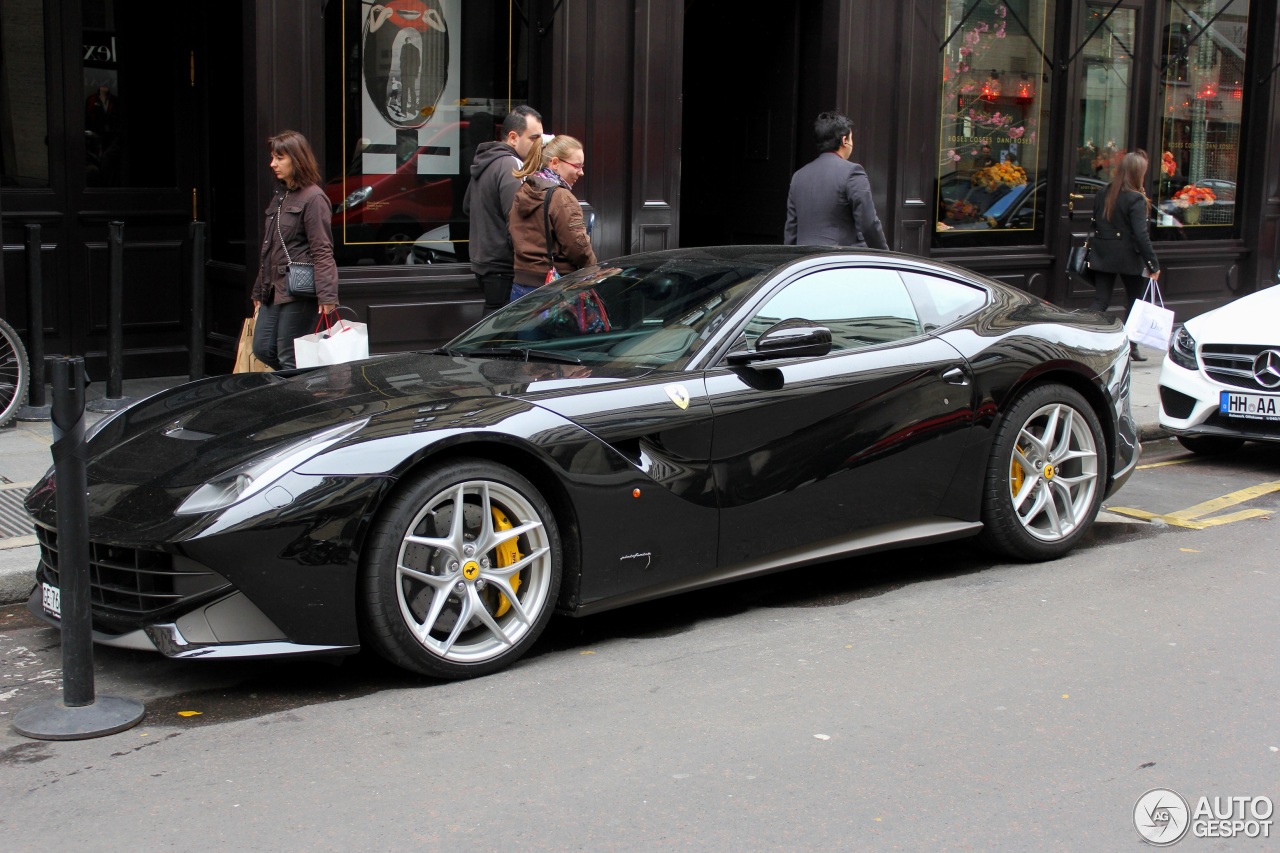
546	222
287	259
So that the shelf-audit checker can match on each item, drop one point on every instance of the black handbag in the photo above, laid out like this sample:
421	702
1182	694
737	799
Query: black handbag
299	278
1078	258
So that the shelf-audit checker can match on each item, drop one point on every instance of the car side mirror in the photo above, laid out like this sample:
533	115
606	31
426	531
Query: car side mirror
791	338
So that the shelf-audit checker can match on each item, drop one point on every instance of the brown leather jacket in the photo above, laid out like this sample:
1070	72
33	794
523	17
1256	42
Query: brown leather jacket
572	246
306	223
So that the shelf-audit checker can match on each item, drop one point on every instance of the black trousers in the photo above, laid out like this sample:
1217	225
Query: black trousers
278	325
496	288
1104	283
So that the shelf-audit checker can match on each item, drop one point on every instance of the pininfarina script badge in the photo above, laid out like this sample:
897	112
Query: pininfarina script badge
679	395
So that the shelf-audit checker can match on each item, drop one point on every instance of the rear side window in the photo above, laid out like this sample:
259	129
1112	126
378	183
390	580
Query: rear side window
941	301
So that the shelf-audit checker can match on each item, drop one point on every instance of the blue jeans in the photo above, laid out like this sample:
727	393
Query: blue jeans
518	290
278	325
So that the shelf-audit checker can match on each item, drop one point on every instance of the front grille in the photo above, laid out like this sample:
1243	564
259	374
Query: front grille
1232	364
130	586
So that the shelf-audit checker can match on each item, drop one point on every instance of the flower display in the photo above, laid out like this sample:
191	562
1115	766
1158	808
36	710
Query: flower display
1192	194
1167	164
962	211
1000	175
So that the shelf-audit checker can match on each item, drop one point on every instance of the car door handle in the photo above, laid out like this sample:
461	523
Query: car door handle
955	376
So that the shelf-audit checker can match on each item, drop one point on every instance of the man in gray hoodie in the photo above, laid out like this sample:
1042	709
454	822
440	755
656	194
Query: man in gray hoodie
488	202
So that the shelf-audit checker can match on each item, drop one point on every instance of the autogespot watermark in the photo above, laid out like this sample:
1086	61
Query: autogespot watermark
1163	817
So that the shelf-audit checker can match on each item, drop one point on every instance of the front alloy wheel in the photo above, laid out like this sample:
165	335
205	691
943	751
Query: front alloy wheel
462	571
1045	475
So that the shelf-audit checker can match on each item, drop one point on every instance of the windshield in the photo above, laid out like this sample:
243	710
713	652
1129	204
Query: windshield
657	314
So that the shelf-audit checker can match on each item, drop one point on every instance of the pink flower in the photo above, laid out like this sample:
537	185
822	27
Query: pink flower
967	88
1016	132
1001	11
965	51
972	37
996	118
1000	30
953	155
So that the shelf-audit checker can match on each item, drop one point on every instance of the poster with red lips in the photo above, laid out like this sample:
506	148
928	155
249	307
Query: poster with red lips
410	74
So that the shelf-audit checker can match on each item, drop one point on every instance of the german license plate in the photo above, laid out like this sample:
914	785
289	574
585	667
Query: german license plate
51	598
1259	407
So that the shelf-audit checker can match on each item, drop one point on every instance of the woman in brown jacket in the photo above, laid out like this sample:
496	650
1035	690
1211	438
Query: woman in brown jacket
553	165
298	229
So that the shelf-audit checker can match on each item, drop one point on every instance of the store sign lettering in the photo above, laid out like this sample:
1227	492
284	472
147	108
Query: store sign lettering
100	52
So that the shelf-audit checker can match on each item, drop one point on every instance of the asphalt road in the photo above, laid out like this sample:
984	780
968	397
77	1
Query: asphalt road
921	700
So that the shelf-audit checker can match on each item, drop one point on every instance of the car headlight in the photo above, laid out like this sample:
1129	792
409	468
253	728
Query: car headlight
1182	350
355	198
252	477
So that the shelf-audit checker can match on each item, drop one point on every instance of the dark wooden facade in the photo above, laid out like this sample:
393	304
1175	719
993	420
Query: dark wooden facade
693	120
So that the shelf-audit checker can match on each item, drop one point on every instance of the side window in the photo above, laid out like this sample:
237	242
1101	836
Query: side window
861	306
941	301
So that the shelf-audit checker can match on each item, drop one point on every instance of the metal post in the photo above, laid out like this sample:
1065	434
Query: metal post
114	399
196	370
37	407
79	715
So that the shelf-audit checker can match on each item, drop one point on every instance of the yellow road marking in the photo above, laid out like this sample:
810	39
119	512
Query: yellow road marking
1166	462
1203	509
1193	518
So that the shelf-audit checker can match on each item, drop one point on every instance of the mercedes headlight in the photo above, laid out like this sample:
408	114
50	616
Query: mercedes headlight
253	476
1182	350
354	199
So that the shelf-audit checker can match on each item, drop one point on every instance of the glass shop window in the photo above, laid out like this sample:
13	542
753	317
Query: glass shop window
24	95
412	88
1202	79
995	96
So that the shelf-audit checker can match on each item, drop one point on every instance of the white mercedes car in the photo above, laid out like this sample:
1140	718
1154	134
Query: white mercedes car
1220	383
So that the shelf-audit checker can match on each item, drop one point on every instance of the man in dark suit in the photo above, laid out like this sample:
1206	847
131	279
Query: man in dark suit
829	203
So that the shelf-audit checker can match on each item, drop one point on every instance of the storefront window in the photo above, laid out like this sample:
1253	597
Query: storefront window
1202	76
413	87
992	162
1106	87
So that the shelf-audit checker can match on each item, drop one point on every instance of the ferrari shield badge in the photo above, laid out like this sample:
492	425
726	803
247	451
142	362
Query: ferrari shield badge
679	395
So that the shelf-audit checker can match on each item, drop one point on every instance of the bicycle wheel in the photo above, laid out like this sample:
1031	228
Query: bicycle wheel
15	373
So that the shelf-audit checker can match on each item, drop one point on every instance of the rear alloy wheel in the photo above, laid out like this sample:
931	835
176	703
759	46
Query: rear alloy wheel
462	571
1210	445
1045	478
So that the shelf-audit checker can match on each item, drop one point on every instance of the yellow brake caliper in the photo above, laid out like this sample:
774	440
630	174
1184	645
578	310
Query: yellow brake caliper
1015	475
506	554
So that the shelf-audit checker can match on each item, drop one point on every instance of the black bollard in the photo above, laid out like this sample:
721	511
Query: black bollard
79	715
196	370
37	407
114	399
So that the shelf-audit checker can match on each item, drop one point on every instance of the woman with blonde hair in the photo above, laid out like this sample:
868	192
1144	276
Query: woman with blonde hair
548	233
1121	243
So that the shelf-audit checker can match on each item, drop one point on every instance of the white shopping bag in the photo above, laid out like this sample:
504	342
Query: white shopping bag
338	342
1150	323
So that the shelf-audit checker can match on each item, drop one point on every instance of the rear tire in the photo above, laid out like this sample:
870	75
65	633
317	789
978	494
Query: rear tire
1210	445
1046	475
462	571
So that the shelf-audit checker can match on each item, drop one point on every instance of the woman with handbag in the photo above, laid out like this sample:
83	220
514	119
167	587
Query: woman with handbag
1121	243
297	277
548	233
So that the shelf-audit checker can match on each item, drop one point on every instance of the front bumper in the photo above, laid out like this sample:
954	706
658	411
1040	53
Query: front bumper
1189	405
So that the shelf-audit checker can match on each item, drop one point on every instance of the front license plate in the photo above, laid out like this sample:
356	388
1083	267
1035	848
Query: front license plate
1260	407
51	598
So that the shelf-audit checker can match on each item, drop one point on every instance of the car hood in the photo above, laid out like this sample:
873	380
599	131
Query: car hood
1250	320
187	435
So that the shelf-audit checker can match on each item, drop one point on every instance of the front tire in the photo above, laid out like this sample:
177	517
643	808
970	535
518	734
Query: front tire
462	571
1044	481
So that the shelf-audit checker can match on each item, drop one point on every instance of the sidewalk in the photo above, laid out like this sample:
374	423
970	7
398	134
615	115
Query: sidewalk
25	456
